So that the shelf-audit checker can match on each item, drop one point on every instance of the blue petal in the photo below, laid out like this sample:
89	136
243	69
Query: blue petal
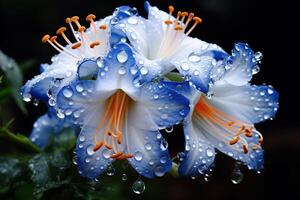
39	90
166	106
42	130
200	70
151	157
241	65
90	164
199	154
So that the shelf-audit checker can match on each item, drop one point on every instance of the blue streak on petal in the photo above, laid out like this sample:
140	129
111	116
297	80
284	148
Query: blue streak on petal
151	158
90	164
167	107
199	154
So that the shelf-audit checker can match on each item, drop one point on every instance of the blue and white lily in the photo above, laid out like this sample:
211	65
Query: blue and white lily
162	43
225	118
120	118
72	63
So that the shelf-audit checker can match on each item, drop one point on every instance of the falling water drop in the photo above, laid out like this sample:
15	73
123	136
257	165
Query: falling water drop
124	177
138	186
169	129
110	170
237	176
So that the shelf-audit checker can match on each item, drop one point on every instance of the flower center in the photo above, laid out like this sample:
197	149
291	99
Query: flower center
176	31
228	129
111	125
83	41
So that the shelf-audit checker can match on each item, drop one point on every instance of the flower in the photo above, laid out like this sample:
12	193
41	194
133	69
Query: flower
120	118
224	119
72	63
162	44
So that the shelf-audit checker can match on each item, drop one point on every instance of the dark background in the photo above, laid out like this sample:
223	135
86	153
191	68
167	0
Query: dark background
268	26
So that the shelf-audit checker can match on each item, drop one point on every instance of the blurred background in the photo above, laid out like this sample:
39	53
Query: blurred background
271	27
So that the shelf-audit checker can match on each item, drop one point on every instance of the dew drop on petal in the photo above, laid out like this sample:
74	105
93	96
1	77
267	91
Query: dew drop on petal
148	146
159	171
122	70
106	154
67	93
258	56
163	145
27	97
90	150
144	70
79	88
99	62
194	58
184	66
209	153
122	57
255	69
169	129
138	186
138	156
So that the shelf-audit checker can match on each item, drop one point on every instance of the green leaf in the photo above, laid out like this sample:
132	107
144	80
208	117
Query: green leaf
40	170
18	139
10	168
14	77
1	78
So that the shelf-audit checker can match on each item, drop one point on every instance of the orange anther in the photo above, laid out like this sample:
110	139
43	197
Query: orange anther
234	140
53	38
178	28
98	146
81	29
230	123
248	133
178	13
245	149
103	27
115	155
61	30
45	38
68	20
191	15
90	17
184	14
168	22
77	45
197	20
108	146
75	18
171	9
254	147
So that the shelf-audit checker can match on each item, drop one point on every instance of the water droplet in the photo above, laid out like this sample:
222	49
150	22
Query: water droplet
122	70
255	69
81	138
67	93
209	152
148	146
158	136
194	57
159	171
90	150
169	129
258	56
51	102
144	70
35	102
106	154
79	88
155	96
122	56
87	160
133	70
184	66
138	186
99	62
68	112
270	91
164	116
163	159
124	177
210	94
60	114
237	176
110	170
133	36
27	97
132	20
163	144
138	156
208	176
256	108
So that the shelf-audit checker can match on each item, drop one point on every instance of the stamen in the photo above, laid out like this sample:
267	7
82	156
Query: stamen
77	45
103	27
115	155
184	14
75	19
53	39
124	156
46	39
69	21
91	18
98	145
197	20
108	146
191	15
95	43
61	31
226	127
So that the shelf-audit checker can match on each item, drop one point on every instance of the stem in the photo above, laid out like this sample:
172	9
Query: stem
19	139
174	170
